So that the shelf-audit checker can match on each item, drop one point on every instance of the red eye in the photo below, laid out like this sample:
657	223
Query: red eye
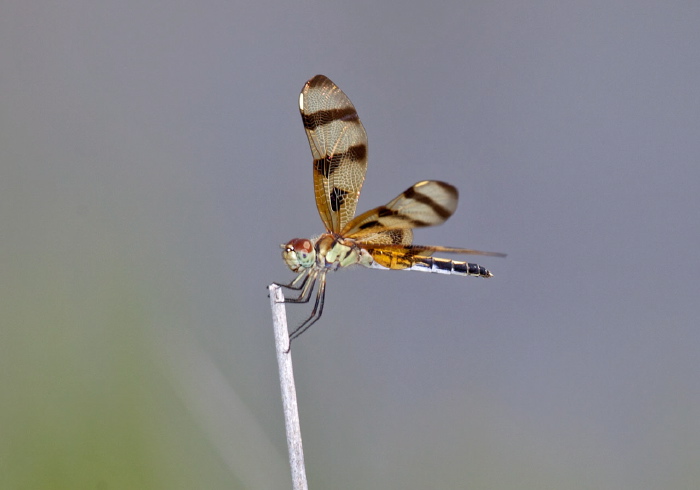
302	245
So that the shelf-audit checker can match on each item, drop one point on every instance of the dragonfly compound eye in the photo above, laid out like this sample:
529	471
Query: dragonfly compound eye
299	254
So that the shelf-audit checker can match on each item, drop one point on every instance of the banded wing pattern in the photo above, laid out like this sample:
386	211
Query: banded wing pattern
379	238
339	147
385	232
426	203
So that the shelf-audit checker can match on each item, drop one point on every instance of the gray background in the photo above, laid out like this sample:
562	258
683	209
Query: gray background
153	159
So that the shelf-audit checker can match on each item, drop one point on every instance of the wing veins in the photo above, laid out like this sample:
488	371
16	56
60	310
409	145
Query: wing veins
339	146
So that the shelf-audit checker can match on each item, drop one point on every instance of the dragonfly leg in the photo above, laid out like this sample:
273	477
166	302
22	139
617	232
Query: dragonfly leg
306	287
315	313
301	282
293	285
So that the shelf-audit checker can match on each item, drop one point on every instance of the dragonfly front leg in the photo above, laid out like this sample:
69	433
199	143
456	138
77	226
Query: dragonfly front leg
293	285
315	313
305	285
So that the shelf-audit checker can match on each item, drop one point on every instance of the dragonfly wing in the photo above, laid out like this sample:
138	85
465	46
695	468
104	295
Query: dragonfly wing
426	203
388	237
339	147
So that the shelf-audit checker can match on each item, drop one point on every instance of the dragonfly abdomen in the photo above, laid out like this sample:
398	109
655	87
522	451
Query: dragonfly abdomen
447	266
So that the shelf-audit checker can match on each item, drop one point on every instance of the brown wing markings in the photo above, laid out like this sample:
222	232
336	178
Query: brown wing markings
426	203
328	165
449	193
339	147
319	118
337	199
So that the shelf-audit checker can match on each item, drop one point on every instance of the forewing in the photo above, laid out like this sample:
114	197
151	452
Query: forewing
426	203
339	147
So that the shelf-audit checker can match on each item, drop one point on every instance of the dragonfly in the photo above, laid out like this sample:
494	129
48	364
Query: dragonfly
380	238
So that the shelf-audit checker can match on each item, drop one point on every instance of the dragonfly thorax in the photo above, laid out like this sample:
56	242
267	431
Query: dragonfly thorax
299	254
334	251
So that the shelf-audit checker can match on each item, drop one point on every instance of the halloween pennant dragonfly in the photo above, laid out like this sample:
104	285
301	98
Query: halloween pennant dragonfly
380	238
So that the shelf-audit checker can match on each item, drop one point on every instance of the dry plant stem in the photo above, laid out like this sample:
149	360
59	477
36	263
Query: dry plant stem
289	394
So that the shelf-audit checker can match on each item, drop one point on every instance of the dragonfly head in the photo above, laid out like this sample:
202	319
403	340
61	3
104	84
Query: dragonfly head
299	254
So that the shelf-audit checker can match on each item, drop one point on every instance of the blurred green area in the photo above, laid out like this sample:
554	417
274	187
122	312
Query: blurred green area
85	402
